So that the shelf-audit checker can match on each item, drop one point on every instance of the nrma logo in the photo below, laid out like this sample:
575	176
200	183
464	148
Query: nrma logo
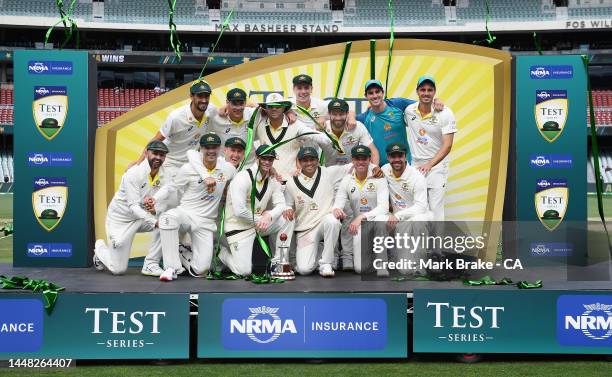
41	182
263	325
540	72
540	161
543	183
540	249
38	67
584	320
37	250
543	95
38	159
42	91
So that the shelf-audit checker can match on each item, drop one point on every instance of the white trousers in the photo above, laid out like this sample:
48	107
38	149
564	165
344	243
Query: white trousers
238	257
416	227
308	245
346	240
436	187
200	230
120	234
363	261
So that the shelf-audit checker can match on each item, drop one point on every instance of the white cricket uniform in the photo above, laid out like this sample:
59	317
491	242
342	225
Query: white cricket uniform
126	217
226	128
312	199
425	140
369	198
349	139
240	220
287	154
196	214
408	194
318	110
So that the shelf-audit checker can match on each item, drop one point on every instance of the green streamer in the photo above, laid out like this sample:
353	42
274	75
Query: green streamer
65	16
372	59
224	26
334	142
528	285
391	40
49	291
487	280
347	51
537	43
490	38
249	141
595	151
175	42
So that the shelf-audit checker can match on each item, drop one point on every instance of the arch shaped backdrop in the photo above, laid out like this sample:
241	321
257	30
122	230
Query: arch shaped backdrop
473	81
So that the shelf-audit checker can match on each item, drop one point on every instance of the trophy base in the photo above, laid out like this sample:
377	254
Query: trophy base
290	275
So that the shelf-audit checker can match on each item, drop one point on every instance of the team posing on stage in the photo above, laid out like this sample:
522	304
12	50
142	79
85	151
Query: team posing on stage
332	171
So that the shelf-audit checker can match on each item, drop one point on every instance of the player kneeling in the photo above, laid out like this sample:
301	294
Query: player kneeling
126	213
196	213
264	215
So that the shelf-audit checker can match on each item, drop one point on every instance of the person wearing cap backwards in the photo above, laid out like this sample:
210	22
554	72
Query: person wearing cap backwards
337	126
273	127
408	193
430	137
197	212
241	222
369	200
127	215
311	193
384	120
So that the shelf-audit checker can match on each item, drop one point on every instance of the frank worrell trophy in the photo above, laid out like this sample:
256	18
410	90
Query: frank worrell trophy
282	269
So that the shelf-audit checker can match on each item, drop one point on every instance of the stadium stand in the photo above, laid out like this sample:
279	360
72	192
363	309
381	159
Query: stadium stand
407	12
517	10
589	12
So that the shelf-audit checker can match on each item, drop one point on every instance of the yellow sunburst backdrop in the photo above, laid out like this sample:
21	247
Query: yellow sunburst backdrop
472	81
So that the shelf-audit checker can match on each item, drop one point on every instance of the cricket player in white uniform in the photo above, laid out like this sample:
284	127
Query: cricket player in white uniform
369	200
273	127
311	193
430	137
197	212
266	218
408	193
337	126
235	122
126	214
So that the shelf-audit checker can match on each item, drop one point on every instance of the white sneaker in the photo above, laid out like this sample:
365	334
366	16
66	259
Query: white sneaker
168	275
185	255
326	271
97	263
152	269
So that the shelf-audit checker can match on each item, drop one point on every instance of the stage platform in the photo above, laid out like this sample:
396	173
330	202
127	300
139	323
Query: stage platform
92	281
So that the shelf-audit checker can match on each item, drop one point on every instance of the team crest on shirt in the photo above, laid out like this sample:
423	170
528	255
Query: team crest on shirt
390	113
387	127
258	211
156	183
370	187
300	200
314	206
405	186
433	120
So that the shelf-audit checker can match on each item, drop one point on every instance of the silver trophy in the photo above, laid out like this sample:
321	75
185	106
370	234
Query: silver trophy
283	270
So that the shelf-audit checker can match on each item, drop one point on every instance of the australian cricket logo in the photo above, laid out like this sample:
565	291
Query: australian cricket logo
551	113
49	200
50	108
551	201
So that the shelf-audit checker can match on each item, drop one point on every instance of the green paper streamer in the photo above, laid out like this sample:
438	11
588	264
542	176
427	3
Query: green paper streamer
372	59
249	141
391	40
224	26
175	42
347	51
490	38
595	150
49	291
528	285
65	16
537	43
335	144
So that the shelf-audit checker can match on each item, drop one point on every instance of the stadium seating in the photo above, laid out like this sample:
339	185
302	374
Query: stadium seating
590	12
406	12
279	18
503	11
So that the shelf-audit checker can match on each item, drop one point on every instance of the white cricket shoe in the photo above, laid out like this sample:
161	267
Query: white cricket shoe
97	263
152	269
326	271
168	275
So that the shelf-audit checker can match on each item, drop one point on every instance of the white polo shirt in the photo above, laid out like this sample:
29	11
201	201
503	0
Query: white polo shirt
408	192
347	140
425	133
182	132
369	198
318	108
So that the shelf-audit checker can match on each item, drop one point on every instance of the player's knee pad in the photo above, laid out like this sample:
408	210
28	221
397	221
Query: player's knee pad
168	221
